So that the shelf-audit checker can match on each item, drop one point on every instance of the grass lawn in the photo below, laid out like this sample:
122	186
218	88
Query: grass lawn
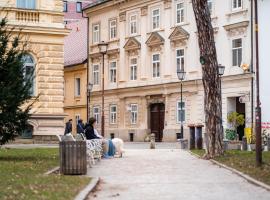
244	161
22	176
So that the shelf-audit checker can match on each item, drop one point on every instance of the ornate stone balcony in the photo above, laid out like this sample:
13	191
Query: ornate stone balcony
27	16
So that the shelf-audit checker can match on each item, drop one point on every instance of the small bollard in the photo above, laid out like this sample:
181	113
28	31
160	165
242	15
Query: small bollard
152	141
244	144
225	143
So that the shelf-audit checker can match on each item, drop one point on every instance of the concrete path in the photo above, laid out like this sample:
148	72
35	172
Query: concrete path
168	174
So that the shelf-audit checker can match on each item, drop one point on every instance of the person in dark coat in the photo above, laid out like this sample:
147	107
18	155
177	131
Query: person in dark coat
90	135
89	130
80	126
68	128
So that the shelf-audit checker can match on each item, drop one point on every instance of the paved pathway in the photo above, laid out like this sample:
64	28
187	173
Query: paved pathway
168	174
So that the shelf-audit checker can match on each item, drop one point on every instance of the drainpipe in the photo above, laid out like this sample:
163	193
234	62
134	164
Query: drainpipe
251	68
87	67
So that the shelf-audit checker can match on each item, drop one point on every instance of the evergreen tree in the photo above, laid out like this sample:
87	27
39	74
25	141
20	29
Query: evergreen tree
15	89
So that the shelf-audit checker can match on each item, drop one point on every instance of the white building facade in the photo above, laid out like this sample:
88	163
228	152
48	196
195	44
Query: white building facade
148	41
264	43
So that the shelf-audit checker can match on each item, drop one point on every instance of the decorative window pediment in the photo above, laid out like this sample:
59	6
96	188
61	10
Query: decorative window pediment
155	39
132	44
179	34
237	29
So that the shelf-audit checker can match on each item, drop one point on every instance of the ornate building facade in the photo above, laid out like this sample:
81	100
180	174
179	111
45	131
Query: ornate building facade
42	25
148	40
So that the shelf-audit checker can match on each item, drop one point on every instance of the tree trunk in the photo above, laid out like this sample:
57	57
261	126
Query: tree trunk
210	78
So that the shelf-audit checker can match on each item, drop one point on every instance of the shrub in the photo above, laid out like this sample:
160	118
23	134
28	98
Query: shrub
230	134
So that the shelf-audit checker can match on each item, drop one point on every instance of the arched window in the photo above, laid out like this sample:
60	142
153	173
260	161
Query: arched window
29	71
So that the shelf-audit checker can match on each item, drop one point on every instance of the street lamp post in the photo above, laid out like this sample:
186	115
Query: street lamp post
221	70
181	76
103	46
89	89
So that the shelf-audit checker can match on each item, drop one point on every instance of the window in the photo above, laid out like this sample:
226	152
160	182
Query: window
29	70
113	72
133	24
96	33
236	52
96	114
210	6
156	65
77	117
28	4
180	13
77	86
155	19
180	59
133	69
113	29
79	7
236	4
65	4
181	115
96	74
134	113
113	114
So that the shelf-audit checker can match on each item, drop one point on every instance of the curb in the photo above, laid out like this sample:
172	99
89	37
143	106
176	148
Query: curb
247	177
52	170
84	193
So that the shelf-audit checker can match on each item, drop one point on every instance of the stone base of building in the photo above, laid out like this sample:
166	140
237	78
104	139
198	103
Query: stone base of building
43	128
139	135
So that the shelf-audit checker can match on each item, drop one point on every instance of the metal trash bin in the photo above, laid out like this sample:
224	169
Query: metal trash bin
198	137
191	137
72	157
131	137
179	136
244	144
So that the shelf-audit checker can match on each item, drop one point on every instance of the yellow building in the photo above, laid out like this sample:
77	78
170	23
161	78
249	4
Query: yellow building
75	73
42	23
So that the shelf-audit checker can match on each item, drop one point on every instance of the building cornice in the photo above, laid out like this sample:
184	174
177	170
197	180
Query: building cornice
40	30
175	84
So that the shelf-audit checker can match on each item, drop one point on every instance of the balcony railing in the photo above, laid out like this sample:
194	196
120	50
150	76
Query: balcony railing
27	16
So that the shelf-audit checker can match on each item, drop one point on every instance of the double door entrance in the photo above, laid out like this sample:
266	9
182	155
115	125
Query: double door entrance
157	114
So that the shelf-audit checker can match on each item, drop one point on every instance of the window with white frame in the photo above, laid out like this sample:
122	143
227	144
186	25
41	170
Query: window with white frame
181	115
96	74
113	111
156	65
78	7
77	117
180	59
133	24
28	4
96	113
237	52
95	33
210	6
112	29
65	6
180	12
29	71
237	4
133	69
77	86
155	19
113	72
134	113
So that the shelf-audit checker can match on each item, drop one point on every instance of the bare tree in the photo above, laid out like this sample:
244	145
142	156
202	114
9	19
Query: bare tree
210	78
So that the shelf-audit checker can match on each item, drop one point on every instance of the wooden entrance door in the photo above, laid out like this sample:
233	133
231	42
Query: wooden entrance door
157	120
